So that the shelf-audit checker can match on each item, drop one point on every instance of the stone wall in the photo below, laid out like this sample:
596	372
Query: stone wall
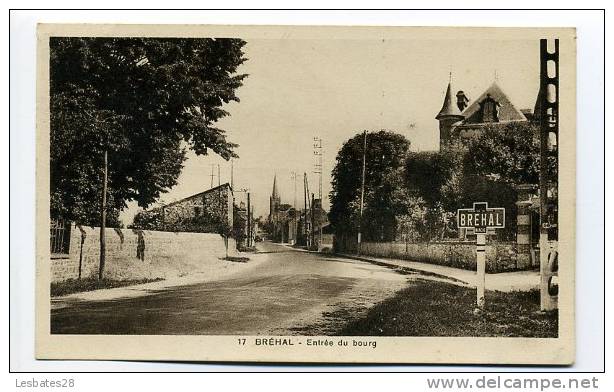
217	201
203	212
500	256
139	254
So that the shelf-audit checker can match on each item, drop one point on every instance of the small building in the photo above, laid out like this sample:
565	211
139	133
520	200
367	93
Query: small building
210	211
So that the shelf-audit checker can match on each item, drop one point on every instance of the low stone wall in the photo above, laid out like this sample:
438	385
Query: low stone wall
500	257
139	254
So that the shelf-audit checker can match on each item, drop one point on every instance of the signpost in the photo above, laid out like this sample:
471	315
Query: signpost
480	218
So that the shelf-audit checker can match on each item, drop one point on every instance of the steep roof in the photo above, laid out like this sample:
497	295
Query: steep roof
225	185
449	107
275	193
507	111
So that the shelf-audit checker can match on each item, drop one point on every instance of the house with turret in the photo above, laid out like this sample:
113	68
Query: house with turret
460	118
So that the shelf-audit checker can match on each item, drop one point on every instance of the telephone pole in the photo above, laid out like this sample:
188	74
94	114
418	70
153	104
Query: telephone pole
362	190
103	217
317	152
249	222
311	210
308	222
293	178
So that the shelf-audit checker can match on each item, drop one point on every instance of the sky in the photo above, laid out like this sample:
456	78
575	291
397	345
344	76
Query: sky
298	89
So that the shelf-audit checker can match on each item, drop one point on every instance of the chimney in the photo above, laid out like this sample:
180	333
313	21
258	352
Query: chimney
461	100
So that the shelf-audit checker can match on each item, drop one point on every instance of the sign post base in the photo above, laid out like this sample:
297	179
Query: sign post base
481	219
481	268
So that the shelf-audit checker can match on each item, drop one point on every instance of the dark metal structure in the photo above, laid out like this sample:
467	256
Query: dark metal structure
548	112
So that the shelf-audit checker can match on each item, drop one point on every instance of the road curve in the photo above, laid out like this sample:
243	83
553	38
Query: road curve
292	292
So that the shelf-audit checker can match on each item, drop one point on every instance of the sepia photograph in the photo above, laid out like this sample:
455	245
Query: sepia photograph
306	194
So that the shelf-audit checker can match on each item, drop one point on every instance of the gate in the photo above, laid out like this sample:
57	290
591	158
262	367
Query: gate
60	236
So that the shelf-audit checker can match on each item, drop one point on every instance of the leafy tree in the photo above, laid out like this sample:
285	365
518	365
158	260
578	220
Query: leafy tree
148	220
385	156
121	109
496	193
412	224
486	168
431	176
507	153
434	179
500	158
143	100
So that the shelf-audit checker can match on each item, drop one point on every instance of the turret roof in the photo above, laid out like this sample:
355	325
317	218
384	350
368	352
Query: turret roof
449	108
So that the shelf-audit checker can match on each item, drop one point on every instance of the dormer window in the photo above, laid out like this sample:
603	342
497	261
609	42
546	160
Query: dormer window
490	110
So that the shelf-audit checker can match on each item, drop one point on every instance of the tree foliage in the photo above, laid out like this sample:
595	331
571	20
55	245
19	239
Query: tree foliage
414	196
141	99
431	176
384	192
500	158
507	153
484	168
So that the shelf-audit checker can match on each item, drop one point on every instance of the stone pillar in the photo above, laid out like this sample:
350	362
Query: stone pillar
523	226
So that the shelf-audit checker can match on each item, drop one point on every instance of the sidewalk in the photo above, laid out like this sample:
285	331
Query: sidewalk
504	281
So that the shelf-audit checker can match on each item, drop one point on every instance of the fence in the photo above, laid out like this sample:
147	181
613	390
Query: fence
59	236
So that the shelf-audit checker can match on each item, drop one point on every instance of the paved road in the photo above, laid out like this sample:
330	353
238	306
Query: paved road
292	292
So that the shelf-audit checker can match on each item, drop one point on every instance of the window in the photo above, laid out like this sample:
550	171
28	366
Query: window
490	110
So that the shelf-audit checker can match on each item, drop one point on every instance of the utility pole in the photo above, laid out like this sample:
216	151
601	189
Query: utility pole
295	217
311	232
249	222
219	180
232	176
305	196
317	151
103	217
252	234
362	190
293	178
212	175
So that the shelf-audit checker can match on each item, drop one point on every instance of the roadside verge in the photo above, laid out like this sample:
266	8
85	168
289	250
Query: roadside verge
504	281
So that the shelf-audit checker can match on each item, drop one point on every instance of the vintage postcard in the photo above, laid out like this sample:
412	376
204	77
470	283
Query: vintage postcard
306	194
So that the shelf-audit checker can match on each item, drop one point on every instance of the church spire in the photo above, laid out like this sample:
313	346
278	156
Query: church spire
275	193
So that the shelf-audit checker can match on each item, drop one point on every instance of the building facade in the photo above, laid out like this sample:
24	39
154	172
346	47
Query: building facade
293	225
461	119
281	218
210	211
